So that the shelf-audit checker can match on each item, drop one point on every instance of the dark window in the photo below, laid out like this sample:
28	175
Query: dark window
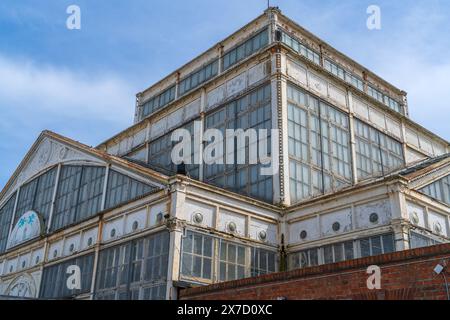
157	102
419	241
300	48
54	278
262	261
37	195
232	262
337	252
79	195
197	256
319	146
6	215
122	188
303	259
160	150
376	153
246	49
198	77
250	111
377	245
135	270
439	190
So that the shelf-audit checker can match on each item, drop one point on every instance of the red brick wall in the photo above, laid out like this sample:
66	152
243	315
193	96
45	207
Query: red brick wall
404	275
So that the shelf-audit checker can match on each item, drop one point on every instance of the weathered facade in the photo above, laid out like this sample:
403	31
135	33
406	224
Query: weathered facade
357	177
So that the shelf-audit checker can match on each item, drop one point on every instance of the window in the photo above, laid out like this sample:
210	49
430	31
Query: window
376	153
139	155
91	192
198	77
232	264
300	48
54	278
319	146
386	100
37	195
439	190
262	262
157	102
343	251
206	259
250	111
79	195
391	103
26	198
246	49
303	259
374	93
338	252
6	215
419	241
122	188
160	151
135	270
377	245
197	257
344	74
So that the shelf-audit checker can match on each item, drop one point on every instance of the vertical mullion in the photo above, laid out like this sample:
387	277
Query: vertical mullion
322	169
202	255
13	216
78	188
52	208
36	187
380	151
105	188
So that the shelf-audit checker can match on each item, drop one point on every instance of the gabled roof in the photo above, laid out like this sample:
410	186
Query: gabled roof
422	170
424	167
100	155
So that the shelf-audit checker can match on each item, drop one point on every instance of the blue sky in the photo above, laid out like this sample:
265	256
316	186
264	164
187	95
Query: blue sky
82	83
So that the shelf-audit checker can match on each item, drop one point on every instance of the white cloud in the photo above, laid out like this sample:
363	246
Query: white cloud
83	106
35	91
427	85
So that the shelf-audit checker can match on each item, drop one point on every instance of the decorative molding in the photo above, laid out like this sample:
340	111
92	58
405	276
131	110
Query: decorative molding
24	286
47	154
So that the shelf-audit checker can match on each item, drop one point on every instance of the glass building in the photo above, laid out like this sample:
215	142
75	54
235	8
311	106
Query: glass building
355	177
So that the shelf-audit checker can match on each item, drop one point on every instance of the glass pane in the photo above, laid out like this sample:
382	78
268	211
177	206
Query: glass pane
365	247
338	252
313	257
197	267
207	266
388	243
241	255
376	246
328	254
349	252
